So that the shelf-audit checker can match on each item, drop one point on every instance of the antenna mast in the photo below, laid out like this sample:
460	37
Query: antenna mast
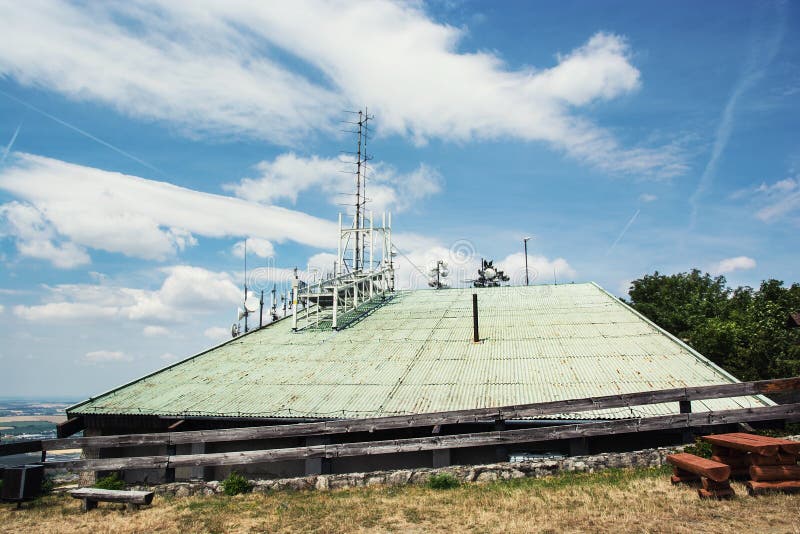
361	186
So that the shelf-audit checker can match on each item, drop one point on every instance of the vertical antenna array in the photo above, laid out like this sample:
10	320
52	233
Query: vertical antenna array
363	276
360	215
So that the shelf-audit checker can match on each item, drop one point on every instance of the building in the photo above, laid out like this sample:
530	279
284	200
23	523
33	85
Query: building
413	352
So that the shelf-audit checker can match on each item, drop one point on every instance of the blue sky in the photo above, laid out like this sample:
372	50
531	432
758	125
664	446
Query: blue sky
141	143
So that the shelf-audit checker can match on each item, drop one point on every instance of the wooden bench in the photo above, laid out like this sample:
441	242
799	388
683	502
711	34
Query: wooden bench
91	496
714	476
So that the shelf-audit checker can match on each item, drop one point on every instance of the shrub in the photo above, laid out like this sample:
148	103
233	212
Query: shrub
236	484
443	481
47	486
111	482
700	448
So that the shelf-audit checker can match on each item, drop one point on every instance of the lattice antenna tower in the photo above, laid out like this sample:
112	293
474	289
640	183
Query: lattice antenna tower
362	157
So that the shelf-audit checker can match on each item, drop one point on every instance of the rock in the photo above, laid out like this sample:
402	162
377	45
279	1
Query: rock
322	483
398	478
486	476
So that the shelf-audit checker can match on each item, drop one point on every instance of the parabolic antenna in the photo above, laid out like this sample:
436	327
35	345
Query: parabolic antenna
252	304
239	314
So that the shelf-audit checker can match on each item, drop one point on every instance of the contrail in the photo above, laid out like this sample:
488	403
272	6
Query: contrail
7	150
767	42
84	133
624	230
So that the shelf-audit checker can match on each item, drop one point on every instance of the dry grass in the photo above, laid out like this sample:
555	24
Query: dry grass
639	500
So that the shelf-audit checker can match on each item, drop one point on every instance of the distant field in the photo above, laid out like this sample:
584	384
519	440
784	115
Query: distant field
17	418
639	500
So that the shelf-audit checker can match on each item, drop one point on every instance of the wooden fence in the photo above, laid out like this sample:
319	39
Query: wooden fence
684	420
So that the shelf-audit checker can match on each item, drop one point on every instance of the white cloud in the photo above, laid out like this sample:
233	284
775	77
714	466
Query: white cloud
781	186
541	270
130	215
778	200
259	247
185	293
288	175
155	331
739	263
2	308
35	237
647	197
211	67
463	260
217	333
168	356
105	356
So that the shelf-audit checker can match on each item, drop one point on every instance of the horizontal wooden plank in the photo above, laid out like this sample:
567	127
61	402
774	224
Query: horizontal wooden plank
775	472
756	488
70	426
97	494
111	464
429	419
417	420
479	439
716	471
20	447
740	444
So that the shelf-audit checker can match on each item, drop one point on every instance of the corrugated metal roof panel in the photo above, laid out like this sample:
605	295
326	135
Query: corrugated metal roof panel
415	354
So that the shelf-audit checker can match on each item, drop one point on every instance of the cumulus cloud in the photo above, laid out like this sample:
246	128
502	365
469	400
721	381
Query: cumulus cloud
259	247
217	333
185	293
126	214
155	331
739	263
463	260
146	60
105	356
36	238
541	269
647	197
288	175
167	356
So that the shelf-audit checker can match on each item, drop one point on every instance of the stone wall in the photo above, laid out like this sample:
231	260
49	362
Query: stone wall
466	473
473	473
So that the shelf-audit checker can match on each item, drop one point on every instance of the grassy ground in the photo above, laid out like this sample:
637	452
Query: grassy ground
640	500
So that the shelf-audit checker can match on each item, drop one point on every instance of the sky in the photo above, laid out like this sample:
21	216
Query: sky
143	143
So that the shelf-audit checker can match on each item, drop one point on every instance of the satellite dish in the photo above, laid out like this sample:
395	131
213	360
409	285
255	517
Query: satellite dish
235	329
241	313
251	303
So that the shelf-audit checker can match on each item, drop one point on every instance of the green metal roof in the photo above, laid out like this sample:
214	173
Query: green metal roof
415	354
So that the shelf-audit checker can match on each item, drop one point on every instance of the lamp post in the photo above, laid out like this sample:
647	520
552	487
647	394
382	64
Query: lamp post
525	245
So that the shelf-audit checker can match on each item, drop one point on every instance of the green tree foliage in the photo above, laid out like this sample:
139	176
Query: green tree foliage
743	329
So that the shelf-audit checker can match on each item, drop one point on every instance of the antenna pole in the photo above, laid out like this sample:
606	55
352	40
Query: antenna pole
246	313
358	192
261	310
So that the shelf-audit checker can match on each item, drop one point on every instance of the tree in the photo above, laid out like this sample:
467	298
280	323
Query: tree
743	330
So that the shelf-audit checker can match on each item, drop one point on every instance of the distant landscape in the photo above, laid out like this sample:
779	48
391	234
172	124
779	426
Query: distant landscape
27	419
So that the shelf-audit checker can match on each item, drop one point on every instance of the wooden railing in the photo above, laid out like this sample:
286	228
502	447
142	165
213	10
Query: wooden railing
684	396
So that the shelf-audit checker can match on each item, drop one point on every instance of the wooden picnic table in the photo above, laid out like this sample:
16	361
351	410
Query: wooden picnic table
768	463
763	445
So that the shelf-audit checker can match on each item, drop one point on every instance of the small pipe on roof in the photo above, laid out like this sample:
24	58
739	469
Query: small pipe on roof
476	338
